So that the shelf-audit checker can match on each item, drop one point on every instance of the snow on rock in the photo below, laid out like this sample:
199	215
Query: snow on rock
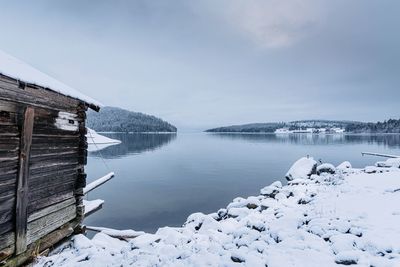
271	190
345	218
347	257
344	165
17	69
302	169
326	167
370	169
389	163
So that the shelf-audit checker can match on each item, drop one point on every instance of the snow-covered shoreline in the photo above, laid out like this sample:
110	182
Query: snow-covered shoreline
340	216
310	130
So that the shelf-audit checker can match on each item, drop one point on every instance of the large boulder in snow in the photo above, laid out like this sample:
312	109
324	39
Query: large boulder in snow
302	169
326	167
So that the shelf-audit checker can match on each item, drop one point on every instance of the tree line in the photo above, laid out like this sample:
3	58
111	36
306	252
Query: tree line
112	119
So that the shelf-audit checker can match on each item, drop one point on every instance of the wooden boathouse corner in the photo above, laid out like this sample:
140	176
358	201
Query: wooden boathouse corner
43	151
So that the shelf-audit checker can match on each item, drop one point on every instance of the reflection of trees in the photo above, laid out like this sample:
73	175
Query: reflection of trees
389	140
133	143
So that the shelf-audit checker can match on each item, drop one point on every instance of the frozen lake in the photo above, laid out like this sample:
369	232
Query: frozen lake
162	178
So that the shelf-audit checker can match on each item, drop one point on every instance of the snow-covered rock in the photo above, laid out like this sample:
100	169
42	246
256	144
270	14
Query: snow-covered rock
389	163
326	167
344	165
370	169
327	220
302	169
271	190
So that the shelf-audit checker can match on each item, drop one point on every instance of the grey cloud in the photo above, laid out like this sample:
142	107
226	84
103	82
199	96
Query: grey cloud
207	63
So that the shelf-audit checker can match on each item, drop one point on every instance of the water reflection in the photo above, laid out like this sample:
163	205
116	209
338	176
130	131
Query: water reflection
133	143
386	140
97	147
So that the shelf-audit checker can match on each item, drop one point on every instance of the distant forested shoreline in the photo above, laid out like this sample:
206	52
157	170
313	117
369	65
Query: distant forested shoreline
388	126
112	119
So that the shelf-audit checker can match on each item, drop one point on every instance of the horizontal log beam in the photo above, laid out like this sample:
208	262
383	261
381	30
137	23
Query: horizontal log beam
93	185
379	155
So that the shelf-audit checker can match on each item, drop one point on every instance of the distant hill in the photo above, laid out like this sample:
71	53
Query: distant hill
249	128
390	126
272	126
112	119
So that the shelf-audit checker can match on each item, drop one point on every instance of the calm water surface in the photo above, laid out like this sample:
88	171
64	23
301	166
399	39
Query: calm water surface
162	178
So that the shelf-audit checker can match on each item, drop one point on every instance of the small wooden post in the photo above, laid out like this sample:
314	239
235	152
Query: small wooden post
21	210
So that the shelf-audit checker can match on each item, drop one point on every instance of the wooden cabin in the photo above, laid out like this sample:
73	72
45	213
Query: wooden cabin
43	152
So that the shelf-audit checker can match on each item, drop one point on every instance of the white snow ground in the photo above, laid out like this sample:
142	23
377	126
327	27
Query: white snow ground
350	217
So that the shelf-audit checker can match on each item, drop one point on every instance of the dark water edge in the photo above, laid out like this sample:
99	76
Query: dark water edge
163	178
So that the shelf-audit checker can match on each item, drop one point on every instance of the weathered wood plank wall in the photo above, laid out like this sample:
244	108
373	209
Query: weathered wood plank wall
21	211
9	151
56	177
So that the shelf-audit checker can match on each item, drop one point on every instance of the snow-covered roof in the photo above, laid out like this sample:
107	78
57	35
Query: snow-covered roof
15	68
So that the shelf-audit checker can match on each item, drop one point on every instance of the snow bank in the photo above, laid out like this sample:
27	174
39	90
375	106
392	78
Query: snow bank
350	217
17	69
302	169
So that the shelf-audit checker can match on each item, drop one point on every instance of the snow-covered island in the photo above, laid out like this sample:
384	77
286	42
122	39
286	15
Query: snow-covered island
324	216
287	130
304	126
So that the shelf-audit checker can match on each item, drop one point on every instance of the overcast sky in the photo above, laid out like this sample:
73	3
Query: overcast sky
201	64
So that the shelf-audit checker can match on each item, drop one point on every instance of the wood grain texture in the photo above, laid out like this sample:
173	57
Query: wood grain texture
51	209
22	181
35	96
41	165
49	223
7	240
